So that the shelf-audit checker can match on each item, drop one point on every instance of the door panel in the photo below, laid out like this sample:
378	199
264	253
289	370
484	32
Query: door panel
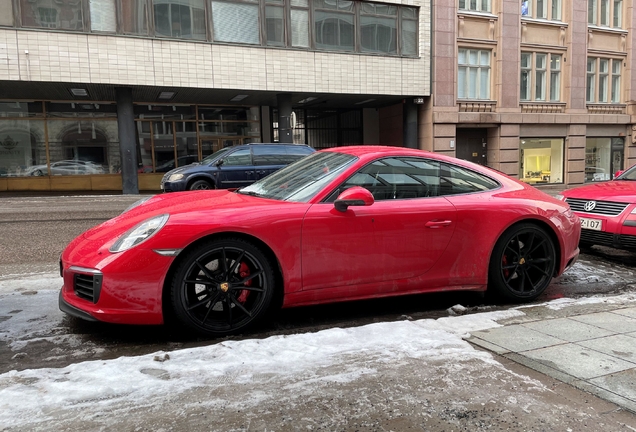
472	145
389	240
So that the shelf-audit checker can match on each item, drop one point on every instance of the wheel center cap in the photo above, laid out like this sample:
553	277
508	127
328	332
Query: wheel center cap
224	286
522	261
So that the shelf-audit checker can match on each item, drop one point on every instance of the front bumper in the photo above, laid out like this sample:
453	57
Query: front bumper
178	186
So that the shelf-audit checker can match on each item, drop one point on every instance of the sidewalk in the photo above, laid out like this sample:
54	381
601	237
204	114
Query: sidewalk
589	346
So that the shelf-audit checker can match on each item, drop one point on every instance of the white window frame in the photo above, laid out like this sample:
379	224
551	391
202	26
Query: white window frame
603	80
541	86
479	69
605	13
542	9
475	5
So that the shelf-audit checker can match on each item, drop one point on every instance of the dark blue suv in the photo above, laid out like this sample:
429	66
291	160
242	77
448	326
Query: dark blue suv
233	167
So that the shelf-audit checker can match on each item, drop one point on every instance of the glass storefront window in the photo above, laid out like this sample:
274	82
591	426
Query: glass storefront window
603	157
82	147
165	112
6	18
63	15
21	109
22	148
541	160
74	110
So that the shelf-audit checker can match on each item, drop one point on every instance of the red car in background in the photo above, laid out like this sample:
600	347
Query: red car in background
607	211
341	224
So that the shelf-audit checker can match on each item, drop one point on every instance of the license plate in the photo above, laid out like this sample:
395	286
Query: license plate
592	224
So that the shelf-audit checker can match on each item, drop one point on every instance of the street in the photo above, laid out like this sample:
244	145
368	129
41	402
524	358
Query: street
34	230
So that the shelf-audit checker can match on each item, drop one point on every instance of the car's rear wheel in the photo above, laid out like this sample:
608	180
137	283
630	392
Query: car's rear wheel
201	185
222	287
522	263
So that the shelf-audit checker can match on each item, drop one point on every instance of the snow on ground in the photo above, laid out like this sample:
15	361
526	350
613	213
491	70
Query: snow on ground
33	397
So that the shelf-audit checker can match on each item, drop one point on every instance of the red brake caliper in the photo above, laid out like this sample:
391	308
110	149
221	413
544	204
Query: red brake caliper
244	271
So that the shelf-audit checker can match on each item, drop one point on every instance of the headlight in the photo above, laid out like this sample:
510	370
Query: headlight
560	197
139	233
175	177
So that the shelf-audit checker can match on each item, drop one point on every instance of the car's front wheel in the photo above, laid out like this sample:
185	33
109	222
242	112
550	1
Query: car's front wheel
522	263
200	185
222	287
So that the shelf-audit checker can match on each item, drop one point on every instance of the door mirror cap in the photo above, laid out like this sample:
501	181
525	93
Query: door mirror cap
354	196
219	162
619	172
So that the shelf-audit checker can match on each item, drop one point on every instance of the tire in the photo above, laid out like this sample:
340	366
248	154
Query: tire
200	185
522	263
38	173
229	298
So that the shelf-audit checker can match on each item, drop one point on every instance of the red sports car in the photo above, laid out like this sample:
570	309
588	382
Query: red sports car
342	224
607	211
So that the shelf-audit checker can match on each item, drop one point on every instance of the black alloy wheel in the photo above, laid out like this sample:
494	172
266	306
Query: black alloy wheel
223	287
523	262
200	185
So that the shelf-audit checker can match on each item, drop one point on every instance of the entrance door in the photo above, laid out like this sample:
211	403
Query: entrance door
471	145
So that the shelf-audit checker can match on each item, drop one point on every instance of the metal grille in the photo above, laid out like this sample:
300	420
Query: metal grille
608	239
608	208
87	286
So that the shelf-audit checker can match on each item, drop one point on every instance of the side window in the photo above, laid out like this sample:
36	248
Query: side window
269	155
396	178
457	180
295	153
239	157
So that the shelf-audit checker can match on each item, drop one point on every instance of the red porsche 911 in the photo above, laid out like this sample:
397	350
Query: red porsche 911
607	211
341	224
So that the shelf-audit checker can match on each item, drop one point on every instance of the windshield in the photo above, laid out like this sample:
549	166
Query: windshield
302	180
215	155
630	174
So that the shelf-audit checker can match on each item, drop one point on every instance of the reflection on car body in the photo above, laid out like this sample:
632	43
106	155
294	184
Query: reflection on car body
341	224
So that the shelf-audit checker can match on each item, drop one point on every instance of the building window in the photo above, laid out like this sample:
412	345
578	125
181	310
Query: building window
603	86
67	15
378	28
236	21
541	160
603	157
134	16
334	25
547	83
180	18
541	9
605	13
275	23
103	15
473	74
475	5
6	18
299	14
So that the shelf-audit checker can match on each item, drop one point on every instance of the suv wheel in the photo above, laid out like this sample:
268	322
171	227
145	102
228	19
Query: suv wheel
200	185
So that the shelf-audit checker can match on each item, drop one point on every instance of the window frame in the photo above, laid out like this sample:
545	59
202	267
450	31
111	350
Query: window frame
598	81
550	9
478	80
548	72
612	18
479	6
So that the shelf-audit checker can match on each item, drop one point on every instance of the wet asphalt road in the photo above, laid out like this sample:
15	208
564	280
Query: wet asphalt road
34	231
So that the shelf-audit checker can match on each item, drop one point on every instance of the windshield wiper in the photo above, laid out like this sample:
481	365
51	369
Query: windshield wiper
250	193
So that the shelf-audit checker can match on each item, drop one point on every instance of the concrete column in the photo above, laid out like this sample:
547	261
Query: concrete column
284	115
127	142
410	124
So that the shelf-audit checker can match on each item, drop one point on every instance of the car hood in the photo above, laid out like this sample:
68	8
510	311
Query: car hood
190	168
615	190
204	207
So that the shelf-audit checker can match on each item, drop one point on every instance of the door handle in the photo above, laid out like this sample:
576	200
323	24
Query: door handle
438	223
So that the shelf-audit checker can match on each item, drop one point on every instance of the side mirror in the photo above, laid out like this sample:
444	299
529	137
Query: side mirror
619	172
219	162
354	196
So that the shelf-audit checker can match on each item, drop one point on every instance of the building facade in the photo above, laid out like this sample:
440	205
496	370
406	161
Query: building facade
109	94
542	90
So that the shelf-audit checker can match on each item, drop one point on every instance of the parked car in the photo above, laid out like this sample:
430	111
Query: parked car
607	211
341	224
233	167
66	167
